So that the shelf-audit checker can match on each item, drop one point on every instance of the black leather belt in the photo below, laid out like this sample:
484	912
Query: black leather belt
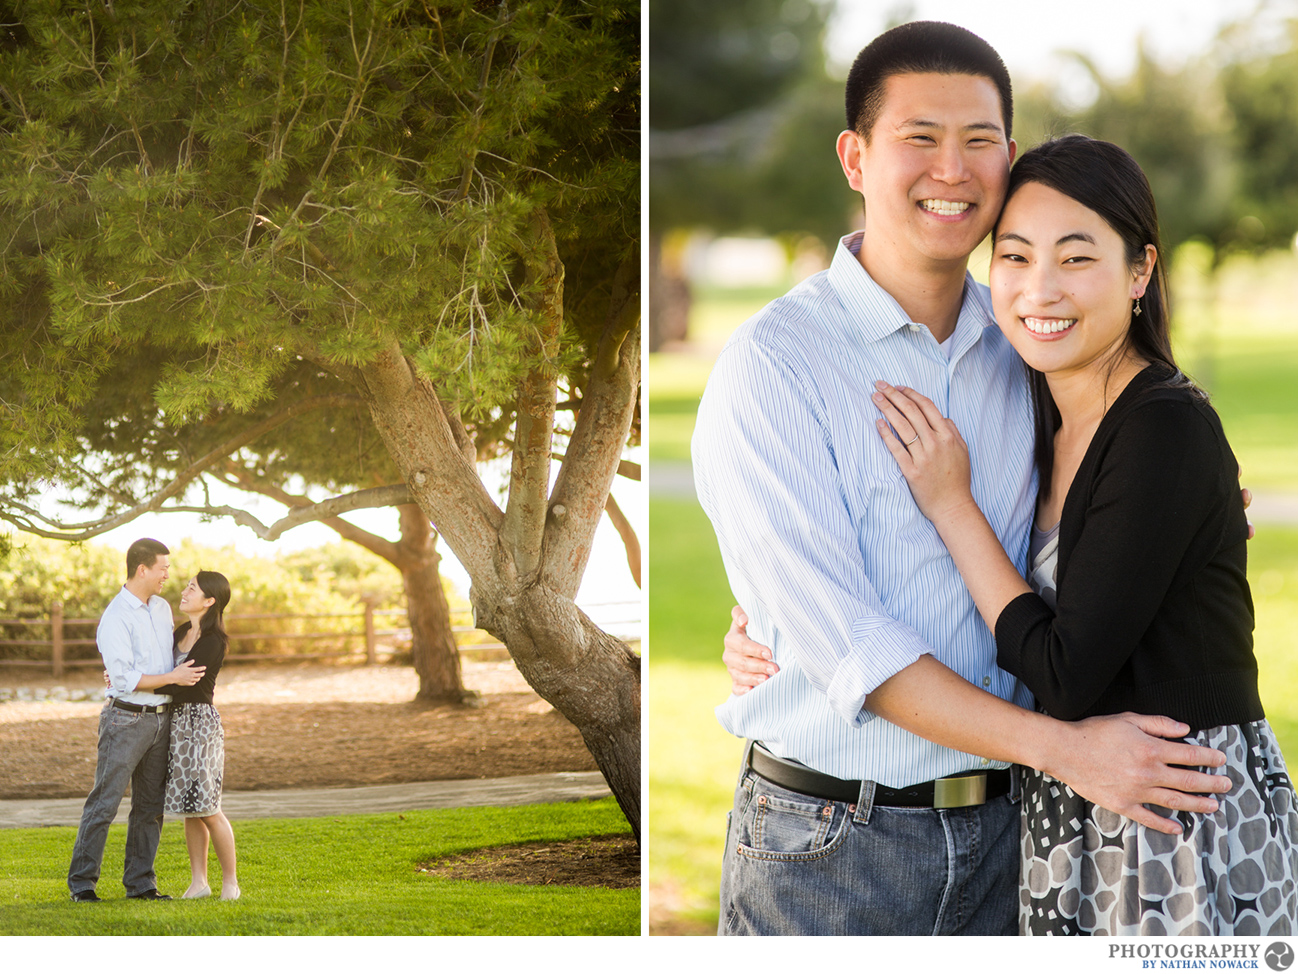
955	791
139	708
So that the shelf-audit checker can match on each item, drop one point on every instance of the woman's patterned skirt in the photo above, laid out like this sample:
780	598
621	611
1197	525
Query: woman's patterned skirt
1087	870
196	761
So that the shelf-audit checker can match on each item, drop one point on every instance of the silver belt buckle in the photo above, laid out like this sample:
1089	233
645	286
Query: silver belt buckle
960	792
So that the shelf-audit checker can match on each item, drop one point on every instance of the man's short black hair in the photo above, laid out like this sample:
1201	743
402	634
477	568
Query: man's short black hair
920	47
143	552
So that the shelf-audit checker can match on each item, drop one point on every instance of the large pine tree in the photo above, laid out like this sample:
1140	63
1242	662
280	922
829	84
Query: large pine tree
434	205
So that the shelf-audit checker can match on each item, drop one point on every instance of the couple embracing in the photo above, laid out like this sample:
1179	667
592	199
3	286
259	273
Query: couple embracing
1010	684
159	730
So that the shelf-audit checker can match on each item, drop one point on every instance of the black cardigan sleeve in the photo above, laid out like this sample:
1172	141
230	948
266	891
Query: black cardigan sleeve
1148	513
208	651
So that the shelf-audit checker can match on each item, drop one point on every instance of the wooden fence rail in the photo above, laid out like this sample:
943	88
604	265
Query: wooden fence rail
627	625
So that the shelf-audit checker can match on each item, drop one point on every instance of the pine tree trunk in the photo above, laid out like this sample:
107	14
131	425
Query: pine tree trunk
590	677
669	298
436	657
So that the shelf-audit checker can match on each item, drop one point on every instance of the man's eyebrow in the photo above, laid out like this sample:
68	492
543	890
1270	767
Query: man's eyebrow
927	123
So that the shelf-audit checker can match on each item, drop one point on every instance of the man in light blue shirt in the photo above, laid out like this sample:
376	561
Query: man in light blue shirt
135	641
845	822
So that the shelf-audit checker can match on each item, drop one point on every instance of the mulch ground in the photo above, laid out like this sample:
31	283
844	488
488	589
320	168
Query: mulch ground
611	861
319	726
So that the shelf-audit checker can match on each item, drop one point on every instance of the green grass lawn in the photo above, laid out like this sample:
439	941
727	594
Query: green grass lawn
342	875
692	761
1252	374
1273	577
1253	380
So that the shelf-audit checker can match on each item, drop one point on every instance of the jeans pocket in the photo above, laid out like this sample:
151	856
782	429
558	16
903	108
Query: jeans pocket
122	719
783	827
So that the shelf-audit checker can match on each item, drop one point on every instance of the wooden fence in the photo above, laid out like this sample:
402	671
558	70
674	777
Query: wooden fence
469	639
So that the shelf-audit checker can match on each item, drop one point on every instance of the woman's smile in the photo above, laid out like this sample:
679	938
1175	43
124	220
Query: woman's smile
1048	328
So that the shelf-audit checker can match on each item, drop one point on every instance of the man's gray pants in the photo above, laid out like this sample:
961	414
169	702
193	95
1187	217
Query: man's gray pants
132	749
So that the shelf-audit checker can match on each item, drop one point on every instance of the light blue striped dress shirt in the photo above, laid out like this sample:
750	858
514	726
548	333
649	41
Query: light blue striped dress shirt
839	572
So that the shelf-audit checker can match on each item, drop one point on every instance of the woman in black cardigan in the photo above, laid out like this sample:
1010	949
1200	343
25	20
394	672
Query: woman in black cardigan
196	762
1138	598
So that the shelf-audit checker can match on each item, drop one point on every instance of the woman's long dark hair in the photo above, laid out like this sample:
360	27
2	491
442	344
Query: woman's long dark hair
214	585
1103	178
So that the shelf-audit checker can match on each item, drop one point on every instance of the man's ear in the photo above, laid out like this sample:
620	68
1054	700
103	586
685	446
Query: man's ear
851	150
1014	148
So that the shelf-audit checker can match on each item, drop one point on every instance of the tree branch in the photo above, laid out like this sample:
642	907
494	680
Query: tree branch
461	435
623	316
389	496
625	468
598	437
409	418
91	529
379	545
529	477
629	539
470	154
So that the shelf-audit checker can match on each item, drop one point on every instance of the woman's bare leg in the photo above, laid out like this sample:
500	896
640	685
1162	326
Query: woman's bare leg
196	836
223	841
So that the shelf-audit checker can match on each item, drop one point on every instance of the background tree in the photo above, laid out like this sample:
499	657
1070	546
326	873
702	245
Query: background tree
1172	122
739	104
1216	138
1260	86
435	206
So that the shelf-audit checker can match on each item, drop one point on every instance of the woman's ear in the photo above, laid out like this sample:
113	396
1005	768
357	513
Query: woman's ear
1144	269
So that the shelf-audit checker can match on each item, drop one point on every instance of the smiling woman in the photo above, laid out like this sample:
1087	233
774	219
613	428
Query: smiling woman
1077	247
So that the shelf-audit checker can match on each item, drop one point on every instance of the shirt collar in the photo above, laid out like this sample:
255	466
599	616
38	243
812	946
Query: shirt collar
134	599
876	313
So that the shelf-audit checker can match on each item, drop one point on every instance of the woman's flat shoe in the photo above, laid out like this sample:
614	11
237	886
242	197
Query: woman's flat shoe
231	896
197	895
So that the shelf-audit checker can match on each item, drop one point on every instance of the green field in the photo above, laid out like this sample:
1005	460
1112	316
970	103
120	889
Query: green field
354	875
1248	360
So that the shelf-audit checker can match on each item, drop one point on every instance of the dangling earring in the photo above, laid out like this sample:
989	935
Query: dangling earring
1136	310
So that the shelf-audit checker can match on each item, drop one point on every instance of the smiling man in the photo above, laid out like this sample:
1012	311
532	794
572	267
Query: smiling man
135	640
875	793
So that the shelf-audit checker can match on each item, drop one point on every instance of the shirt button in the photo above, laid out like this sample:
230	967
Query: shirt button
987	681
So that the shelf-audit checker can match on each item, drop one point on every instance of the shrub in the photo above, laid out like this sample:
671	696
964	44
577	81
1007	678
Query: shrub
328	581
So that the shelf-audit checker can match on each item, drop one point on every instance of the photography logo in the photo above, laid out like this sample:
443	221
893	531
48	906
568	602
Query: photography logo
1279	956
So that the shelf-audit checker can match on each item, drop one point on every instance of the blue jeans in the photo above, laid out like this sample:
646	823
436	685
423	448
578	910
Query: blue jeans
132	749
799	865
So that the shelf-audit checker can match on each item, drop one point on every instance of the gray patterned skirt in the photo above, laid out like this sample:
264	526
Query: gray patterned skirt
195	761
1087	870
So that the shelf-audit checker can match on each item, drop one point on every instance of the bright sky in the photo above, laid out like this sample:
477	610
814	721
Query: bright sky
1029	36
